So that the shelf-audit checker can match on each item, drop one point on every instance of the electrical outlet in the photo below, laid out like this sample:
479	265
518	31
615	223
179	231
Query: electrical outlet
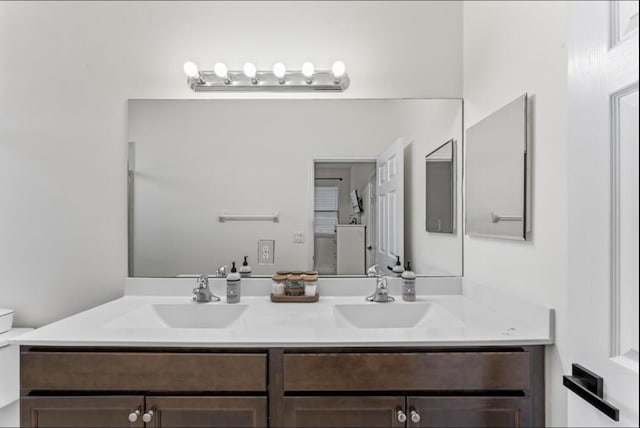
298	238
265	251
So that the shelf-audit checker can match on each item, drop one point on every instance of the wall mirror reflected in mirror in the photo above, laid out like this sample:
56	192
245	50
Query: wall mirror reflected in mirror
210	180
440	193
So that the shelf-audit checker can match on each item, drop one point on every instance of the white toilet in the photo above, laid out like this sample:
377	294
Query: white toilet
6	320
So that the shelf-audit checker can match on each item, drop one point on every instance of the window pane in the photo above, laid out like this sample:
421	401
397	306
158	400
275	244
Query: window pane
325	222
326	199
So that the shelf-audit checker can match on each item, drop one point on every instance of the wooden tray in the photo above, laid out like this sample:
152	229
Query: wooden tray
295	299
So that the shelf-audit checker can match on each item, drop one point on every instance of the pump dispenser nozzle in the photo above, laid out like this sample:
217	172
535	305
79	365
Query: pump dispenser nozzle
245	269
397	268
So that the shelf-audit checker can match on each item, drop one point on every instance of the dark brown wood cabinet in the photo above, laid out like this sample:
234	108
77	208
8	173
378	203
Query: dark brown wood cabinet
400	412
460	412
499	387
133	370
407	371
282	387
81	412
161	412
96	378
207	412
342	412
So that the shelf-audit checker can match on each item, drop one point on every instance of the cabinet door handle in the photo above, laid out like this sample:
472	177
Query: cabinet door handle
402	418
133	416
147	416
415	417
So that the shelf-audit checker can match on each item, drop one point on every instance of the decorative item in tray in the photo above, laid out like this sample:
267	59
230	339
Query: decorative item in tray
295	286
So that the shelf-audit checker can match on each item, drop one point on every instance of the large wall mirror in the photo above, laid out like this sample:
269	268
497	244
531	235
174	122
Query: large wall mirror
327	184
498	174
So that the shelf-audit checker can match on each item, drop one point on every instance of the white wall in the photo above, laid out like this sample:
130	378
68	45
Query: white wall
67	69
511	48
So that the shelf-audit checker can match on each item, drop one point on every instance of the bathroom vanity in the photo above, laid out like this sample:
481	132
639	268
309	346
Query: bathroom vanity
292	387
461	355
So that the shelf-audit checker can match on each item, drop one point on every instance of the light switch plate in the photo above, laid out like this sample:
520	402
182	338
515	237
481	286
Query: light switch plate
266	251
298	238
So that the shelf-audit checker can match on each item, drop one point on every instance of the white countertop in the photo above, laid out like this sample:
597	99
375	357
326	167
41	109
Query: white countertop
459	315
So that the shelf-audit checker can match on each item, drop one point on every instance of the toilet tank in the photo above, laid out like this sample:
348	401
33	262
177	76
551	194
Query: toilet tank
6	320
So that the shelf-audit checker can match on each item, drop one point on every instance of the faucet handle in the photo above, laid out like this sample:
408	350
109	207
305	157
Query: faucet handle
222	271
203	281
373	271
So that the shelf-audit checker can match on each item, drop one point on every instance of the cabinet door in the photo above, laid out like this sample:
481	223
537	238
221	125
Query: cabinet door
449	412
343	412
80	412
207	412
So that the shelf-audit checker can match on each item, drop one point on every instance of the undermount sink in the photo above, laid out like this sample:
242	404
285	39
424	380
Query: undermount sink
180	315
381	315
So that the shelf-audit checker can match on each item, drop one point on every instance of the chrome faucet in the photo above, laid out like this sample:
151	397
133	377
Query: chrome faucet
202	292
221	272
381	295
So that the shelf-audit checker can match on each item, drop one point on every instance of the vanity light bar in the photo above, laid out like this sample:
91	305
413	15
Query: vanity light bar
277	80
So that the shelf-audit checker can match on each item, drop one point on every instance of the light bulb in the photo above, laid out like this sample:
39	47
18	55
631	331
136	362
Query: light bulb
338	69
249	70
221	70
308	70
279	70
190	69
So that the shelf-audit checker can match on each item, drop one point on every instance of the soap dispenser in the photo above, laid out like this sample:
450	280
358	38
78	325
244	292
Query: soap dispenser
233	285
245	269
397	268
408	284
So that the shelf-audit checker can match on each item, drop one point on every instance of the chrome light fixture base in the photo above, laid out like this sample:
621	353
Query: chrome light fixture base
293	81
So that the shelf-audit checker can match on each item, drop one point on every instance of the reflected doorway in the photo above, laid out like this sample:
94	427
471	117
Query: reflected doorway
344	216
